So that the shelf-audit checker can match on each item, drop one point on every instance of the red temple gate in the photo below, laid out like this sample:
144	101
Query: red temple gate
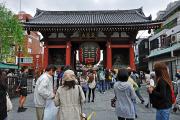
114	31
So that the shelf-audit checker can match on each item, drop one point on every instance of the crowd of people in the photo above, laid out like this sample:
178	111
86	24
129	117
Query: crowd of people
70	89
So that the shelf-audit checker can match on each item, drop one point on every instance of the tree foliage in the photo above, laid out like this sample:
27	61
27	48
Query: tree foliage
11	31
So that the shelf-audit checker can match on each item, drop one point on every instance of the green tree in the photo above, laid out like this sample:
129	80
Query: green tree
11	31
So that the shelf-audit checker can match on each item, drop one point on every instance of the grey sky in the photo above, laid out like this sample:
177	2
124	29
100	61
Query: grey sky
29	6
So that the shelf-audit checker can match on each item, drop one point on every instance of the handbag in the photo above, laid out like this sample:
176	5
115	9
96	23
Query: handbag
82	115
113	102
8	103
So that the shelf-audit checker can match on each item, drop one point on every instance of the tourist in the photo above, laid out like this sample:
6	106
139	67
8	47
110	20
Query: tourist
22	88
84	84
177	104
3	92
125	95
108	79
161	94
92	85
150	84
101	79
69	97
44	91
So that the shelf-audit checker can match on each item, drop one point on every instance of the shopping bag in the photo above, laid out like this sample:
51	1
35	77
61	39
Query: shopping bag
8	103
50	112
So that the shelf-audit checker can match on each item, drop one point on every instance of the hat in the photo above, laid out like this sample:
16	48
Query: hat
69	76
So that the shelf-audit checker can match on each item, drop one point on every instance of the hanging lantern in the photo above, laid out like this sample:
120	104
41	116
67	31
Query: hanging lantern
89	53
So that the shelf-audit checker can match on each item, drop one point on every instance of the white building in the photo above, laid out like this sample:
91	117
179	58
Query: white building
164	45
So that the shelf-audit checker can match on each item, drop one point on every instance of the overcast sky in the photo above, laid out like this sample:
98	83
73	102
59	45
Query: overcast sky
29	6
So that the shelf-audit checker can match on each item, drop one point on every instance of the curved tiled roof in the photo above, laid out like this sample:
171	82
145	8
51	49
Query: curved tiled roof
90	17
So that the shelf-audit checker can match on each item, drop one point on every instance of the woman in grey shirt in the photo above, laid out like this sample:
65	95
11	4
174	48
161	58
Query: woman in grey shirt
125	95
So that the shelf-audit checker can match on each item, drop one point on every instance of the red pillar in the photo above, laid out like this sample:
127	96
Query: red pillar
131	57
68	53
46	54
108	55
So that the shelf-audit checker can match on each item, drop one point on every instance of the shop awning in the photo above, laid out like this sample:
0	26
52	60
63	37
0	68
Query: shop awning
8	66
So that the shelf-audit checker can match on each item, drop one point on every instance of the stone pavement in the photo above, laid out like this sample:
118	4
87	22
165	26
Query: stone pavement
101	106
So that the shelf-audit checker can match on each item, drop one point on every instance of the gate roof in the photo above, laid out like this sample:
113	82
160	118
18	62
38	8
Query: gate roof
133	19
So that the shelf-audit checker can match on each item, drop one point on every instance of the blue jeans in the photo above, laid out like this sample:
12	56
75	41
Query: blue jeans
101	85
163	114
107	85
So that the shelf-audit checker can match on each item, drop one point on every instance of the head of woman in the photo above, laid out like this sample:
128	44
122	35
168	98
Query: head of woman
69	79
122	75
24	69
161	72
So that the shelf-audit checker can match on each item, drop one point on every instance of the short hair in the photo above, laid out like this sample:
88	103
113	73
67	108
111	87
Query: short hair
122	75
49	67
24	68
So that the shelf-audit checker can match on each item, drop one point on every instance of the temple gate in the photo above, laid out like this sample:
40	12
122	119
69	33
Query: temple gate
114	31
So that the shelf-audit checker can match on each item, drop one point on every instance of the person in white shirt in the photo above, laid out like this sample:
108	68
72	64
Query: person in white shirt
150	83
44	91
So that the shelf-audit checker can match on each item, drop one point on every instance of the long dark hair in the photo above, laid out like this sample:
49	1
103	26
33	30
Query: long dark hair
69	84
3	80
162	73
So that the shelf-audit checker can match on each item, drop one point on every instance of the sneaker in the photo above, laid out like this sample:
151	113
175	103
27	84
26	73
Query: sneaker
20	109
142	101
92	101
24	109
147	106
136	116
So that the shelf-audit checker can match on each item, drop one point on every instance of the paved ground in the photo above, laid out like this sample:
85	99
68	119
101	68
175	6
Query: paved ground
101	106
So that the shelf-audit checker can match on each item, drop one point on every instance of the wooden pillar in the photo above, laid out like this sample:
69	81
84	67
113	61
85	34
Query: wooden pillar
131	57
108	55
68	53
46	54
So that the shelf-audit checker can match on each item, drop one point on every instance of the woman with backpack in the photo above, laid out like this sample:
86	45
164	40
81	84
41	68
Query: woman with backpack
161	95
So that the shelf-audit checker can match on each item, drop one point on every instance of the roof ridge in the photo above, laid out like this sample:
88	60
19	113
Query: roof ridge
141	14
37	15
38	11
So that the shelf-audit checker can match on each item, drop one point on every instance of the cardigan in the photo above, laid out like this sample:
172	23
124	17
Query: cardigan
161	95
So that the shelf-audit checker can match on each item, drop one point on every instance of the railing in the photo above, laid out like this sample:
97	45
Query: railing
13	83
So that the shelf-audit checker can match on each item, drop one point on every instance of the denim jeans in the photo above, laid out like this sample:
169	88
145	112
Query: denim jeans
102	85
139	95
107	85
163	114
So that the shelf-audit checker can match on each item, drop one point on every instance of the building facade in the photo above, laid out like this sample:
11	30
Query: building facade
32	54
142	52
165	43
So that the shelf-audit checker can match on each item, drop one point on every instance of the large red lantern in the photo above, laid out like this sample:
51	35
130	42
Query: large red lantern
89	53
